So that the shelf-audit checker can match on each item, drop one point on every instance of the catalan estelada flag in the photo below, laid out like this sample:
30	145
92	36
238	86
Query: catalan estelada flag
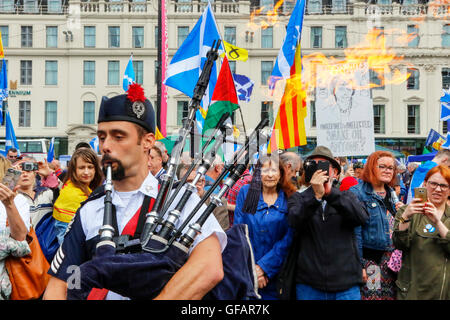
2	54
289	126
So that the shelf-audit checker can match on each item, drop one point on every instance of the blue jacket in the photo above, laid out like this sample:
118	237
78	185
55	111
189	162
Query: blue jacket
375	234
270	234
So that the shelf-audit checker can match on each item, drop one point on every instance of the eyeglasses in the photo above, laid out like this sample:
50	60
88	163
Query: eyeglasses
386	168
434	185
269	170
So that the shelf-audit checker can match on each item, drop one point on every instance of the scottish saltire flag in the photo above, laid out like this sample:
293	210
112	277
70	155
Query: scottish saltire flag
433	136
51	151
286	55
129	76
186	65
244	86
94	145
445	106
3	87
10	136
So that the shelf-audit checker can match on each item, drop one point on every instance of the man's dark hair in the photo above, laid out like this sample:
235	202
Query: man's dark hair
12	150
82	145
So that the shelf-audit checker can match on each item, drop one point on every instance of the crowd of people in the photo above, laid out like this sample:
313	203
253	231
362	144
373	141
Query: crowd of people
349	230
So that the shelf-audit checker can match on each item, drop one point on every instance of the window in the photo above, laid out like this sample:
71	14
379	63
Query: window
445	78
89	37
89	73
267	37
24	113
26	74
88	112
414	119
182	111
445	127
230	35
113	73
314	6
114	37
267	111
156	37
50	113
232	66
27	36
52	37
138	67
413	32
340	37
138	37
316	37
7	6
5	36
446	36
413	80
266	5
54	6
51	72
30	6
376	79
378	118
156	71
312	106
182	34
288	6
338	6
266	71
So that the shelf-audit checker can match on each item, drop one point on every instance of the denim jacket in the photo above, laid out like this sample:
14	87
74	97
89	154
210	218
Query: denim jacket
269	231
375	234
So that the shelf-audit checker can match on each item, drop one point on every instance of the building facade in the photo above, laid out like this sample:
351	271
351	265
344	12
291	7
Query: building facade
63	57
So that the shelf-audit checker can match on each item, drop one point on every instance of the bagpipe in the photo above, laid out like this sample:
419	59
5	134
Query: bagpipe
140	268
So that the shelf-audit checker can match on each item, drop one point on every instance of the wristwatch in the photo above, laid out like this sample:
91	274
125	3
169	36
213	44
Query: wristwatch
402	220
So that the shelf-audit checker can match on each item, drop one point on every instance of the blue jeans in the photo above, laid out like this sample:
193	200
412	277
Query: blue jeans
305	292
60	230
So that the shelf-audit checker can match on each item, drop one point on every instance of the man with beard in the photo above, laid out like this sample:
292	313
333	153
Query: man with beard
126	127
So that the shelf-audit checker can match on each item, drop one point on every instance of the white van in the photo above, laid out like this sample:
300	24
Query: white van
37	148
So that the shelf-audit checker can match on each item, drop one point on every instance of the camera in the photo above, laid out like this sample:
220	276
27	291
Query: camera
29	166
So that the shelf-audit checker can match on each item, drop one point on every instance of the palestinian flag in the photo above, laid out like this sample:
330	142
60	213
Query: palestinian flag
224	98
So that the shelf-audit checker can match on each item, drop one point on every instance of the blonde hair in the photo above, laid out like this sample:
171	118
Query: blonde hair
5	164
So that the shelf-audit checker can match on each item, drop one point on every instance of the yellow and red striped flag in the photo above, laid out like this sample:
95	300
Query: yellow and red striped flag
289	126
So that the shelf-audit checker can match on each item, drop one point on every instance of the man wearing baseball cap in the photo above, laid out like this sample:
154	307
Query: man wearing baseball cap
126	132
324	218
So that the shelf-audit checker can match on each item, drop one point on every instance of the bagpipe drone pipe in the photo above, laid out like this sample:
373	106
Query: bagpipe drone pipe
140	268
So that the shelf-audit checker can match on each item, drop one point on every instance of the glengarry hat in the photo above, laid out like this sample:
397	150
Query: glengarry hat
131	107
324	152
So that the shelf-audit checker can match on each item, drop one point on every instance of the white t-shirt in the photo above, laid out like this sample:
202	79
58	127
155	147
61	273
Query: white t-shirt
24	210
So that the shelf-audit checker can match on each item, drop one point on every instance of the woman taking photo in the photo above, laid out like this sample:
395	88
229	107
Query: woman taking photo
376	193
262	205
421	232
83	176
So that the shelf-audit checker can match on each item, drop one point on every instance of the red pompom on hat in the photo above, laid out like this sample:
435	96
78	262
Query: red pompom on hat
135	93
347	183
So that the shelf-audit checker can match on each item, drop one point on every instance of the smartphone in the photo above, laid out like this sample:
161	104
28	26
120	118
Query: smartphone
421	193
324	166
310	167
11	178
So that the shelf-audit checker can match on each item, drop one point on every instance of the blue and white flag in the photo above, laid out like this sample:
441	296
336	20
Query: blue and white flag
286	55
186	65
129	76
3	88
51	151
244	86
433	136
94	145
10	136
446	144
445	105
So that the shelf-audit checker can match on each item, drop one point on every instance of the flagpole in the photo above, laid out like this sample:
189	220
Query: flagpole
242	119
159	84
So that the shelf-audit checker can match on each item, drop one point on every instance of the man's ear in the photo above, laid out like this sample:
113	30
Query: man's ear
148	141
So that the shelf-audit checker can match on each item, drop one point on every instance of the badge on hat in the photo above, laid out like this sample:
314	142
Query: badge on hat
138	108
135	95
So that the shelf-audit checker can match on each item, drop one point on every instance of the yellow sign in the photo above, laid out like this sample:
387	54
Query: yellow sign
235	53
